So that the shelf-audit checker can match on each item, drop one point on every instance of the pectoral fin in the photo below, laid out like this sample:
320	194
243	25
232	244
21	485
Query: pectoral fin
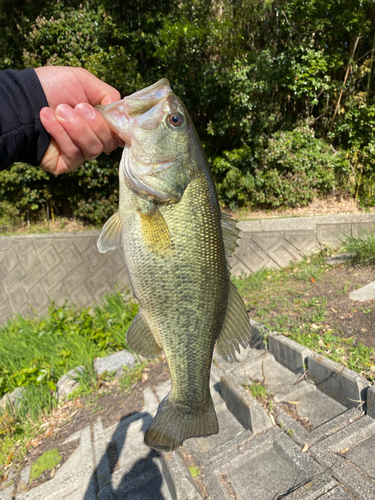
155	231
110	237
236	327
140	339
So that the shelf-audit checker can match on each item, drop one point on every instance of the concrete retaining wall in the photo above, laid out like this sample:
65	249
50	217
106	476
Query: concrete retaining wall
35	269
276	242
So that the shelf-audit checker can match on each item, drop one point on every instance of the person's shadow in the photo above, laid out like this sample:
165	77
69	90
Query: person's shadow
142	482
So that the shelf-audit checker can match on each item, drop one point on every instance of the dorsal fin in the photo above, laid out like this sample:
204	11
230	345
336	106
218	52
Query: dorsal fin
236	327
230	234
110	237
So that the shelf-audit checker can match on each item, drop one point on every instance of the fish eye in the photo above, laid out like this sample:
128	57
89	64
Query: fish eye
175	119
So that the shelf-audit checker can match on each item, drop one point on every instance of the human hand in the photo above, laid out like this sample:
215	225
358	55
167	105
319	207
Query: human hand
78	131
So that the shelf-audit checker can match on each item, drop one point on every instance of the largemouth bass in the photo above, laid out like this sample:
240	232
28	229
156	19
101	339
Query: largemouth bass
176	245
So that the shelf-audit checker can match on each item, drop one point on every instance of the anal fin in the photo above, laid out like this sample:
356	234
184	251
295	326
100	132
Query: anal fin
236	328
140	339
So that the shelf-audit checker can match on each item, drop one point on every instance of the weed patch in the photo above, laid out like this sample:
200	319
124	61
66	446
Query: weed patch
297	302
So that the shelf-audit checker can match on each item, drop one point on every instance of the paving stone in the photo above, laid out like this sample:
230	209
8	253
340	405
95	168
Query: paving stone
135	472
266	370
288	353
367	292
114	363
58	294
180	483
7	493
247	410
68	382
318	408
267	466
371	401
24	477
231	434
338	382
337	493
296	391
74	480
322	420
340	453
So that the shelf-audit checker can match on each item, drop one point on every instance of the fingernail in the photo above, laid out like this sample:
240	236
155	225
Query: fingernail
65	112
85	110
48	115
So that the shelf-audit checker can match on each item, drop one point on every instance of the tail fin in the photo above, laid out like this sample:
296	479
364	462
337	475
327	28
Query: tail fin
174	422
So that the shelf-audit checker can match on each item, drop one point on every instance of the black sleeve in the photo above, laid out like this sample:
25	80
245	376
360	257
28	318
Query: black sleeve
22	135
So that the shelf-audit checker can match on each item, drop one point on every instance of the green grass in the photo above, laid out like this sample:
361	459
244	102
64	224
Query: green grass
361	249
285	301
35	353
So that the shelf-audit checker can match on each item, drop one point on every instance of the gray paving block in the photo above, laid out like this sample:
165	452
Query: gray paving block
350	456
68	382
340	383
7	493
266	370
337	493
295	391
247	410
267	466
371	401
323	416
364	293
211	448
114	363
133	471
179	480
74	479
288	353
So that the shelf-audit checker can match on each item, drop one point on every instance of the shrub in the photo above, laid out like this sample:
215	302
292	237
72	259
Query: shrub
289	169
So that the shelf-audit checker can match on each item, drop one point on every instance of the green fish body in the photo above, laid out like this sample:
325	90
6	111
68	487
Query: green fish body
176	243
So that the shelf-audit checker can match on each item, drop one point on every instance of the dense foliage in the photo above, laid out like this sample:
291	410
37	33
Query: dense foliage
282	92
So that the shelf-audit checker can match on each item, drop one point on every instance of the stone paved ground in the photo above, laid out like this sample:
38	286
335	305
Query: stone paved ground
297	443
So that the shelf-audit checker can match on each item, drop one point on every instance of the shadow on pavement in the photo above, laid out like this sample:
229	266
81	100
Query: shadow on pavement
142	482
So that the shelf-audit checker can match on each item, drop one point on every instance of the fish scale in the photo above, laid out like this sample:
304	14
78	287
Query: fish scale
176	244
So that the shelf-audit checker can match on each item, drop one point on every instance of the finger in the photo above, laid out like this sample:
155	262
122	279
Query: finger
79	131
99	126
63	151
97	91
